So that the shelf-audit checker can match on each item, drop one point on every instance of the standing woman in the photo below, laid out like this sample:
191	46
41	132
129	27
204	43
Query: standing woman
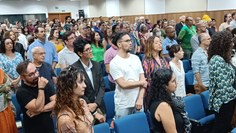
222	81
7	119
54	38
167	110
176	65
153	59
97	47
73	115
9	59
107	38
18	46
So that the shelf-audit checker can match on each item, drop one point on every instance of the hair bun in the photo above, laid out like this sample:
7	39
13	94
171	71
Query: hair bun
168	48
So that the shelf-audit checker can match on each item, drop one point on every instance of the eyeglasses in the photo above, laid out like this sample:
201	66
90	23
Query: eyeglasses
127	41
41	53
88	50
71	38
32	74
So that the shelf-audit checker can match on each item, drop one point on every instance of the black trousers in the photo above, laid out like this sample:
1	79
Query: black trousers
223	118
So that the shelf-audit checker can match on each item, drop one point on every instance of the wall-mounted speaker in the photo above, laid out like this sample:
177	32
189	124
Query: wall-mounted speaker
81	13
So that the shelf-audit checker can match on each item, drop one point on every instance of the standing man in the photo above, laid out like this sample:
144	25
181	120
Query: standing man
95	88
185	35
45	69
50	50
126	69
180	25
226	24
36	98
201	28
67	56
233	22
169	40
200	61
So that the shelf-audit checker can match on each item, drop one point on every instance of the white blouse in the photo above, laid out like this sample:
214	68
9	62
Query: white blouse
180	79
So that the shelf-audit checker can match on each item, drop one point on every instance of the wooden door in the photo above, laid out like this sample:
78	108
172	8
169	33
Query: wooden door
60	16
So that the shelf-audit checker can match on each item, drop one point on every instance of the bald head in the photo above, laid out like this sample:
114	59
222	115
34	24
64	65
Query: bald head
35	50
38	55
204	39
201	27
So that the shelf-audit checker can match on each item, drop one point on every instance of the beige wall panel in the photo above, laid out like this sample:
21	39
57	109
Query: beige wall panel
131	7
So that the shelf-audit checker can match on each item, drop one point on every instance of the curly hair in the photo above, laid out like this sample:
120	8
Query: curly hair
65	85
221	45
158	90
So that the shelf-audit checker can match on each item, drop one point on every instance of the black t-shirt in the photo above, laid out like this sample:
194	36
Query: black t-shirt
41	123
158	126
46	71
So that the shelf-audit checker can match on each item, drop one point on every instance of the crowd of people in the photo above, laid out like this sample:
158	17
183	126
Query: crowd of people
143	62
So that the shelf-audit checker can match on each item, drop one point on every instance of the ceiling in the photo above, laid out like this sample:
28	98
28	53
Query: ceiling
41	0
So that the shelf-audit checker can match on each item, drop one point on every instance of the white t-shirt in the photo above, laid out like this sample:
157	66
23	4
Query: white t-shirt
65	56
180	79
130	69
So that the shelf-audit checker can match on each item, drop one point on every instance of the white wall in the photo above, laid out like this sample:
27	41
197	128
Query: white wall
221	4
131	7
97	8
83	5
112	8
154	6
29	7
172	6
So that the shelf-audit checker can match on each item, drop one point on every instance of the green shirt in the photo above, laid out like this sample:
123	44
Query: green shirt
185	35
98	53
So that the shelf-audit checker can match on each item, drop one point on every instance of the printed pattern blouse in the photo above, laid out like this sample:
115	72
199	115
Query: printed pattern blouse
222	77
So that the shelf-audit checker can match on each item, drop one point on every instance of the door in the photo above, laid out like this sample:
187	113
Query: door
60	16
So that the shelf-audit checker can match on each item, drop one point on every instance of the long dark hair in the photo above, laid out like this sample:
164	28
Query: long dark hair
158	90
93	40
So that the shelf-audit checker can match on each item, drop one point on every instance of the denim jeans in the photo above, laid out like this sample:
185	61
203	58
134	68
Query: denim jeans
126	111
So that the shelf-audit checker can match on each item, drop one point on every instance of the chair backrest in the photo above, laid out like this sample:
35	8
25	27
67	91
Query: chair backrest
101	128
194	107
187	65
17	107
189	78
110	105
205	97
106	83
134	123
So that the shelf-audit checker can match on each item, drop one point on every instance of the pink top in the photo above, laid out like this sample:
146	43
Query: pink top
109	55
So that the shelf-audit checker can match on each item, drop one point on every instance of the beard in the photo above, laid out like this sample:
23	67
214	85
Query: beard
32	82
127	51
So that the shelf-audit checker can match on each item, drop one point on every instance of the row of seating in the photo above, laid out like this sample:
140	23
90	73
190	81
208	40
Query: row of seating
135	123
197	110
196	107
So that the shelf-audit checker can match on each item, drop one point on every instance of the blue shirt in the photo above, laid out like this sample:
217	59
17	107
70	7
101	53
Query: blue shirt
167	42
9	65
49	48
200	64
